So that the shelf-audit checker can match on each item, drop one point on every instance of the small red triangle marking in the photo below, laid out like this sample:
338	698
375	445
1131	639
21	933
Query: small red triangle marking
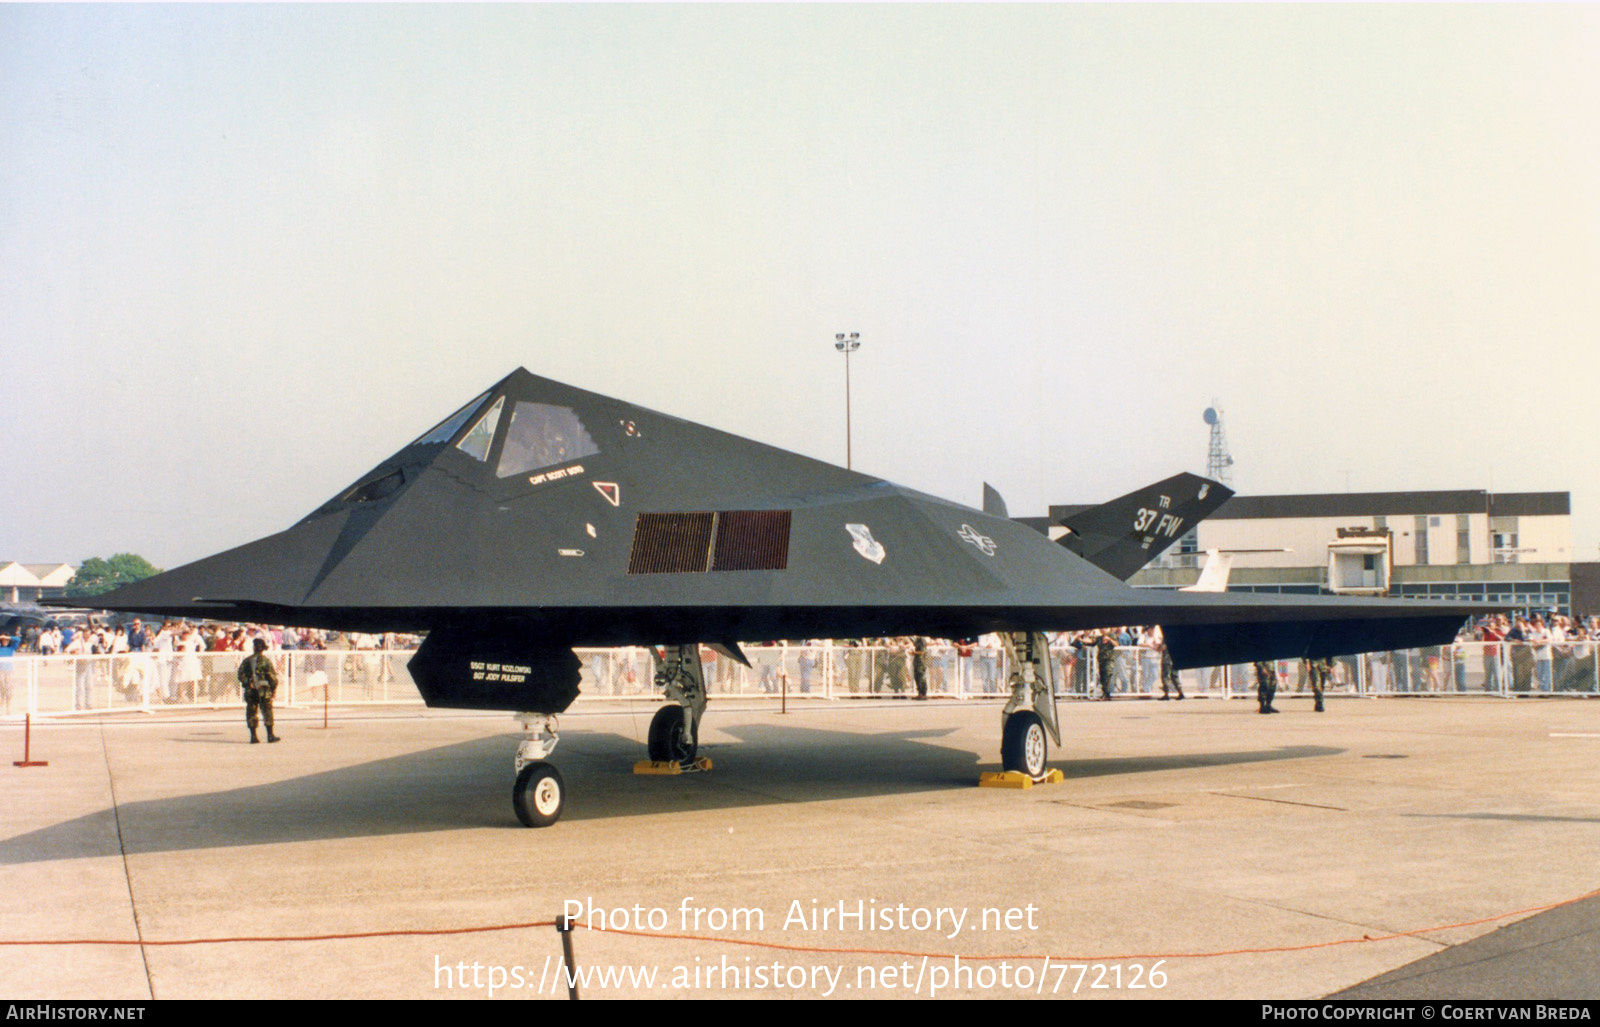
609	490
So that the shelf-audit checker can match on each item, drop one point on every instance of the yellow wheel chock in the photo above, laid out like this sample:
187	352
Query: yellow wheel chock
1017	779
671	766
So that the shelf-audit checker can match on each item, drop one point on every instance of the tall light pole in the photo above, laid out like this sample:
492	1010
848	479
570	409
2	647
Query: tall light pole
847	344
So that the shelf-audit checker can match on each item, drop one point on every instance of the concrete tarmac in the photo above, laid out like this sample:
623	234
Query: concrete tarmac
1183	830
1553	953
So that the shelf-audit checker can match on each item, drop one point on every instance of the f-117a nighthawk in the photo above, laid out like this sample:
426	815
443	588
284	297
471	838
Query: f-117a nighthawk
540	517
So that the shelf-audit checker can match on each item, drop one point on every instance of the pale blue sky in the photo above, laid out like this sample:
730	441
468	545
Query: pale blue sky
247	252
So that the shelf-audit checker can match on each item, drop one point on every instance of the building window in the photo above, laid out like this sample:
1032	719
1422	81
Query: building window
1503	539
1421	532
1463	539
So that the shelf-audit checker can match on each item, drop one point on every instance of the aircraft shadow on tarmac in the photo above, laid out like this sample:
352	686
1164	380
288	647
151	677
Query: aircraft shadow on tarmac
1516	818
468	784
1549	955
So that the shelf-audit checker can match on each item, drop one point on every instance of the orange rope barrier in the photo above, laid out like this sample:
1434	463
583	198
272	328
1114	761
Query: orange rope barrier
420	933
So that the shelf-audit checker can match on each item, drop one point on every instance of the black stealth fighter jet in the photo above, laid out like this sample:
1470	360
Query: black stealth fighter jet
540	517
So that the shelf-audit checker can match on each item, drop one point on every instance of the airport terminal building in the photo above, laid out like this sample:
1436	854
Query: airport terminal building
1467	545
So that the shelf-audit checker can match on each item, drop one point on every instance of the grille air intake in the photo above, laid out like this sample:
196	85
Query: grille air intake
693	543
671	543
752	540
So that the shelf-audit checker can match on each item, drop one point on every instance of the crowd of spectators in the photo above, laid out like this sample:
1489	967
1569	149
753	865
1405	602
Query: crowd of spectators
1530	651
890	665
1536	629
174	661
1532	644
92	638
1541	651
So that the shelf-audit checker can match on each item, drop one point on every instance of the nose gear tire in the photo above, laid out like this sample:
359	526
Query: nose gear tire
539	795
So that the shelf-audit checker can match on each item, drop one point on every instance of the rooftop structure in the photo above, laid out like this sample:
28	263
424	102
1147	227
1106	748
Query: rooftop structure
24	582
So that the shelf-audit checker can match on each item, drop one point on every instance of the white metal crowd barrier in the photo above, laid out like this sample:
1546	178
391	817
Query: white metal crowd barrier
64	685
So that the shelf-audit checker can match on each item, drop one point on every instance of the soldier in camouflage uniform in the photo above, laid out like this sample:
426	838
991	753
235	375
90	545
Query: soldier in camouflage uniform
258	679
1266	685
1169	672
1169	675
1105	651
1319	672
919	665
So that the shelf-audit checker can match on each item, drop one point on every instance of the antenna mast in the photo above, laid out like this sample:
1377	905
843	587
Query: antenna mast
1219	463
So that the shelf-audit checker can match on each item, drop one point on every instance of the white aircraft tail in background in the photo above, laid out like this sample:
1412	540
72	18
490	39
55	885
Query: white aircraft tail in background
1218	565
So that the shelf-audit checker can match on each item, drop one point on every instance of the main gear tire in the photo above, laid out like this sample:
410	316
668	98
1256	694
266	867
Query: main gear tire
669	740
539	795
1023	744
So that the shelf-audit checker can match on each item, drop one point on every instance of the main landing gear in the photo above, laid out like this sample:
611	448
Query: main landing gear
539	794
675	729
1028	715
